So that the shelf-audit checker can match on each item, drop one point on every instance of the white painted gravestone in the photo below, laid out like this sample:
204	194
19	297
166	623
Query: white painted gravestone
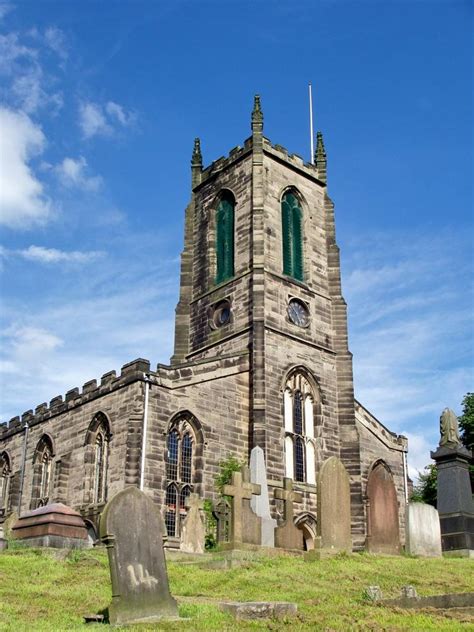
423	530
261	504
130	527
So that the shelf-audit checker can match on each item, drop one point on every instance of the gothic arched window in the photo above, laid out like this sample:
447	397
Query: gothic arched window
5	472
97	459
42	470
298	400
291	217
181	444
225	238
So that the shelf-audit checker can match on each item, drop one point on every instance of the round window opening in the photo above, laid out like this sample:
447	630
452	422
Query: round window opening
298	312
221	314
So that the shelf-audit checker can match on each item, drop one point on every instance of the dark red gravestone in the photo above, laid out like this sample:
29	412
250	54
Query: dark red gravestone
383	528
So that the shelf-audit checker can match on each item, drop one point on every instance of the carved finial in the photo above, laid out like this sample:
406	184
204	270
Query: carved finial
449	430
197	156
320	160
196	163
257	115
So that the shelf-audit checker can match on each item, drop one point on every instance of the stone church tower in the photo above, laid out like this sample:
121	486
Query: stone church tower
261	358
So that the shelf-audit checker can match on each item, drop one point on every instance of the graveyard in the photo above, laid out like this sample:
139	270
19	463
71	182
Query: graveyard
57	589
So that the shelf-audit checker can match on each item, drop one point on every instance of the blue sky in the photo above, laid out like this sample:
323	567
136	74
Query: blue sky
99	106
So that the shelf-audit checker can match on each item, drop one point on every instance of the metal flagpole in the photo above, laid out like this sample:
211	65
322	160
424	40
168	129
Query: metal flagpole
311	123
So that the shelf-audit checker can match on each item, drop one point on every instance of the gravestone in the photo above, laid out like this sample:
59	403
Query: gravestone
382	509
222	513
287	535
54	525
3	540
455	504
131	529
193	532
423	531
334	509
246	527
261	504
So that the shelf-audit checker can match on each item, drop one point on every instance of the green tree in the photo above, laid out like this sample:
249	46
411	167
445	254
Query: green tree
466	421
425	491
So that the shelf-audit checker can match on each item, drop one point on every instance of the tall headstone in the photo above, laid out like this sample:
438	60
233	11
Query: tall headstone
454	499
131	529
193	531
287	535
261	504
383	531
334	509
246	526
423	532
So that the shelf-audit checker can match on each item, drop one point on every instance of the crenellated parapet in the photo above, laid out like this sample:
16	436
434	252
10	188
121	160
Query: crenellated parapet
75	397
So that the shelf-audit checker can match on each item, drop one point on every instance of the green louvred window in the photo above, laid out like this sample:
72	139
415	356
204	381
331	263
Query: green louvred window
292	237
225	240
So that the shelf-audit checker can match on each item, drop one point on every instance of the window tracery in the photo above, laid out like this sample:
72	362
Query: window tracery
5	472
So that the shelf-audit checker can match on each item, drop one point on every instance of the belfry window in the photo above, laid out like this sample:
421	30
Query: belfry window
42	469
5	472
225	238
291	215
299	401
179	474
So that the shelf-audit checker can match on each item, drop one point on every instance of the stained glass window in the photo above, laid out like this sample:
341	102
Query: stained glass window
298	413
291	215
299	459
225	239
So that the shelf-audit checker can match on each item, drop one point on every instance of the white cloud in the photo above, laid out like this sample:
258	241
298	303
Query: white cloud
5	7
96	120
92	121
23	203
72	173
52	255
56	41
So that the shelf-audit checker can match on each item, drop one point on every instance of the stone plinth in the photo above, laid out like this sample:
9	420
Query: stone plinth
455	504
260	609
54	525
423	533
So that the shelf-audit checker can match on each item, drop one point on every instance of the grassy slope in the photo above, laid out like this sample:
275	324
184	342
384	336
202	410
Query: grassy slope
38	591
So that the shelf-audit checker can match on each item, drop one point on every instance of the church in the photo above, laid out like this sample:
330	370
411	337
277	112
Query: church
261	358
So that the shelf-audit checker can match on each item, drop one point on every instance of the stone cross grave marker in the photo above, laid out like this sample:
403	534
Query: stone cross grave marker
261	504
243	526
287	535
130	527
222	514
193	532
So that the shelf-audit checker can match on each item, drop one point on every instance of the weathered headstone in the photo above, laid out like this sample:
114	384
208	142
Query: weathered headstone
260	609
334	509
222	513
287	535
261	504
454	501
193	532
245	525
382	508
131	529
423	534
54	525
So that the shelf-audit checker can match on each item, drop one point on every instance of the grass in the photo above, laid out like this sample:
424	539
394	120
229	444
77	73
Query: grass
43	589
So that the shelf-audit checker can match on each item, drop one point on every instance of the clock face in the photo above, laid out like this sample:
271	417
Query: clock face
298	312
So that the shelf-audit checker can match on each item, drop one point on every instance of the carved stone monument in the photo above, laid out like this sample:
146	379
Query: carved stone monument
54	525
455	504
261	504
246	526
334	510
423	532
287	535
193	532
130	527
